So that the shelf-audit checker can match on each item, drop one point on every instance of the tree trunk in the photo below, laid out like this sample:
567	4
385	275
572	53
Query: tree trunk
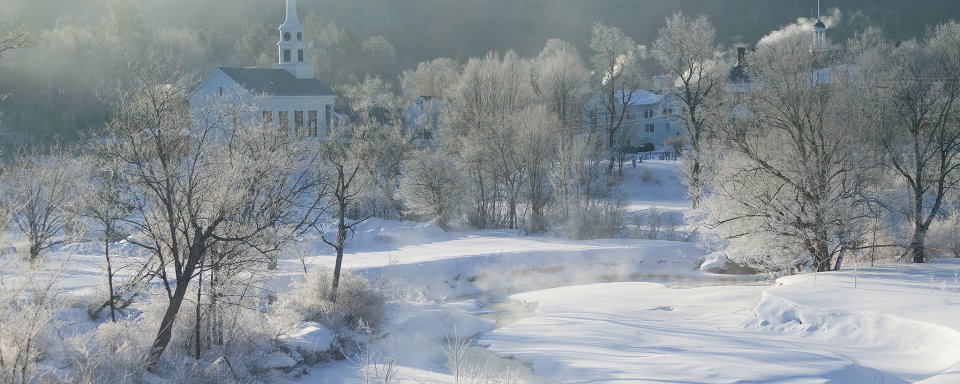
341	239
165	334
918	244
821	254
696	170
196	325
106	253
839	263
695	183
166	324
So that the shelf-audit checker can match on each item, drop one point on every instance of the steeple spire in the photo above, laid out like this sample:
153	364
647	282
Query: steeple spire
291	19
292	46
819	33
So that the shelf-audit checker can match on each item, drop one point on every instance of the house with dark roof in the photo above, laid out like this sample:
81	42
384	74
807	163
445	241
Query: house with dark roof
289	95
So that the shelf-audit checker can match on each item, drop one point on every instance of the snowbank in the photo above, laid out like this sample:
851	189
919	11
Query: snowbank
891	325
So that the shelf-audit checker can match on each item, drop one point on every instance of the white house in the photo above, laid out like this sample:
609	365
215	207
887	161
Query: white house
289	95
650	117
422	119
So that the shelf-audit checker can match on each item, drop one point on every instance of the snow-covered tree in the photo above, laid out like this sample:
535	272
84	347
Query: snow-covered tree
476	121
215	179
538	135
788	186
376	107
685	47
432	186
40	192
919	133
431	78
561	81
617	60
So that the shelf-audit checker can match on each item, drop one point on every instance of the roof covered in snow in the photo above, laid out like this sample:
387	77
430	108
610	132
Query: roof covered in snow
640	97
276	82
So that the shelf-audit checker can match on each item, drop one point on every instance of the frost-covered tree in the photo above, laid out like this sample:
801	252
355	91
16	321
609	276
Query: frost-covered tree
685	47
538	135
919	131
214	179
432	186
41	194
103	204
342	166
431	78
561	81
789	183
617	60
476	121
13	38
375	106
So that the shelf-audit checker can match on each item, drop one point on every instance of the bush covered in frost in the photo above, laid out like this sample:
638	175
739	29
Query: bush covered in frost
358	305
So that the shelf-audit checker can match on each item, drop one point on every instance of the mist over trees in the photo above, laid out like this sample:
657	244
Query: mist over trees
85	48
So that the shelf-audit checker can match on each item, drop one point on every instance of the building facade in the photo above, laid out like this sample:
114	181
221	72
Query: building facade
651	117
289	96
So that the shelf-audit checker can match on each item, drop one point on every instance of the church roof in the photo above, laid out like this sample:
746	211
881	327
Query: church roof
276	82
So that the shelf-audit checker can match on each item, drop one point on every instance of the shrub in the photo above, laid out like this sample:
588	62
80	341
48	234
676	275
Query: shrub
595	219
358	305
114	353
235	337
944	237
25	329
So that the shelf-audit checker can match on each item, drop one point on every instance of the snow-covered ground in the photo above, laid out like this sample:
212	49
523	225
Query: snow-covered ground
805	329
544	309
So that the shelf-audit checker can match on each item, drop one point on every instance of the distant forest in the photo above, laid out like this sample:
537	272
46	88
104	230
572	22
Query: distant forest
86	49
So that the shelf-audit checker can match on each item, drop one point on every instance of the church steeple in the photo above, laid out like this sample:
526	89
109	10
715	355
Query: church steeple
819	33
292	46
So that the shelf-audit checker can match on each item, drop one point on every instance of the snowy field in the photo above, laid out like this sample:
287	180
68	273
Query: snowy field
803	330
892	324
509	308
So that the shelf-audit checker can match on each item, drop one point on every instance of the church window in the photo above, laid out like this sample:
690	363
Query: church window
284	123
286	36
267	118
298	122
221	91
300	55
328	116
286	55
312	123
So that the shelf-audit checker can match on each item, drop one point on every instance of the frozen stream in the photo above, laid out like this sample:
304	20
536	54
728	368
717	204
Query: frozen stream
500	308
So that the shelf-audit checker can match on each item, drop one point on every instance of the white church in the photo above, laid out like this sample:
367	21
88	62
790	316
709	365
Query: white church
290	97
